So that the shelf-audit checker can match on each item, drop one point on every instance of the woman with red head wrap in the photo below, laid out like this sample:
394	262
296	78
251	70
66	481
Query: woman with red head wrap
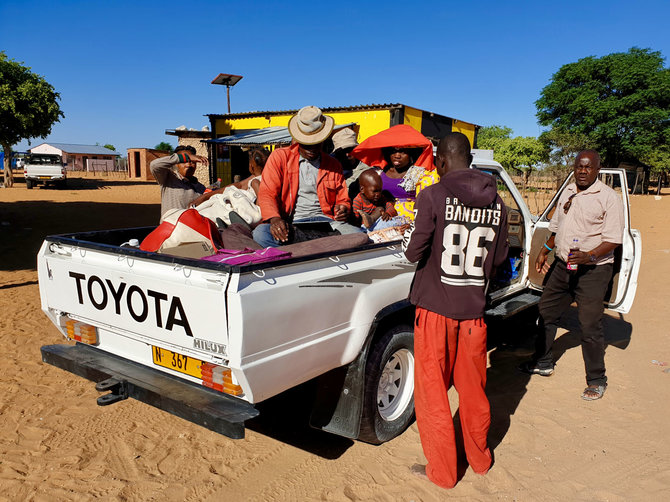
405	159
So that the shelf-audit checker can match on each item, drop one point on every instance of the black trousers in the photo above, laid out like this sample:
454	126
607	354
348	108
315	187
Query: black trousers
587	286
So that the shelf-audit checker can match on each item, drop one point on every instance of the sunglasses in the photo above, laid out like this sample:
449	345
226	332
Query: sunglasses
568	203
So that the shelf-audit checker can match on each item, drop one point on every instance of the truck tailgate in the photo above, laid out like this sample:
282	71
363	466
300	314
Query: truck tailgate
138	306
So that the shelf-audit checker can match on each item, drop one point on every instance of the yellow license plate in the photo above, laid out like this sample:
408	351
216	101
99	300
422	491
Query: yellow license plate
45	177
177	362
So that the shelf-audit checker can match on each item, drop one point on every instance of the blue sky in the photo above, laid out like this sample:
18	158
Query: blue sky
126	71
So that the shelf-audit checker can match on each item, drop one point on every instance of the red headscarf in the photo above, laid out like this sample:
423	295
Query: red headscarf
370	151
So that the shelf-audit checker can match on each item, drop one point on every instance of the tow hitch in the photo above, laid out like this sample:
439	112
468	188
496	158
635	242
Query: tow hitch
118	388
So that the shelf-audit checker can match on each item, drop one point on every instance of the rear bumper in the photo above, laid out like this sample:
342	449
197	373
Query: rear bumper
45	177
208	408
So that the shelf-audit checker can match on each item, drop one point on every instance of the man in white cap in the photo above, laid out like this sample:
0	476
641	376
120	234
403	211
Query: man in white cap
344	141
303	194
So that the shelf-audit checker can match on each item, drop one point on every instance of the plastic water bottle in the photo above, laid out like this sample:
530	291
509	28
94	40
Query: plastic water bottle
214	186
573	248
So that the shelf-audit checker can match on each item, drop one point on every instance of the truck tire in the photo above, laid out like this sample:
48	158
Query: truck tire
388	401
29	184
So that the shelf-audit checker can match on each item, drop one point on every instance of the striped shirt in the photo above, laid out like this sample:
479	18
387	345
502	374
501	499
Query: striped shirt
363	205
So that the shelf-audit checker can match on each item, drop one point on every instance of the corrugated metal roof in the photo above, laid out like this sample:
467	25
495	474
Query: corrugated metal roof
293	112
277	135
74	148
269	136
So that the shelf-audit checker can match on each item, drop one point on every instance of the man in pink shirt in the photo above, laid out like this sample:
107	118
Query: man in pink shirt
587	226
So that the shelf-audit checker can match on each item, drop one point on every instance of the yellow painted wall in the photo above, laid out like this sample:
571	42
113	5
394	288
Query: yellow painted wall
371	122
224	126
413	117
466	128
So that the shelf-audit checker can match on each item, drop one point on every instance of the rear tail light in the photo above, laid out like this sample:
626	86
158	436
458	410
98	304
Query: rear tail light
81	332
219	378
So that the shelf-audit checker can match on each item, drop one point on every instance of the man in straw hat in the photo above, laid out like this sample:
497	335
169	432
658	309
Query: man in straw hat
302	194
344	141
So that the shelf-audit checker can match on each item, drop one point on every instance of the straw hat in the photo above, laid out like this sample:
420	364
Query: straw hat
310	126
344	138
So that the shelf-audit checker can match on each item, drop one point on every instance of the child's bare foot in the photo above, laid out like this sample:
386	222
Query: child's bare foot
368	221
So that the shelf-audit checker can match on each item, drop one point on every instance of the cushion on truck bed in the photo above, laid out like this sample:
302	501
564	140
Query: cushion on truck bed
326	244
240	237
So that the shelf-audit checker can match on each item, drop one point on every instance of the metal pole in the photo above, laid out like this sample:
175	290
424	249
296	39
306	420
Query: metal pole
228	96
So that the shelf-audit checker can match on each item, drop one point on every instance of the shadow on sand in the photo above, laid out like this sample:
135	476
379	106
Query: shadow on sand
514	343
285	417
25	224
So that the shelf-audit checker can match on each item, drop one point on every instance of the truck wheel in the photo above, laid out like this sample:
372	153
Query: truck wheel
29	184
388	406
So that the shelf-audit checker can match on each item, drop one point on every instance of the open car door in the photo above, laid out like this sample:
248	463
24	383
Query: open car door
627	257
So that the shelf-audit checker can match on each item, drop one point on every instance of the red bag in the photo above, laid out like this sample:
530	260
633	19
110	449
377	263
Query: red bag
182	226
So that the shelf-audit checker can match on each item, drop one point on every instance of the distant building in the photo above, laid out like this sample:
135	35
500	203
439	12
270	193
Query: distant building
81	157
233	133
196	139
139	160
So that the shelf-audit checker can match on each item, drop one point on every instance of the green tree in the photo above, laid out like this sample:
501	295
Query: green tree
522	153
28	108
110	147
488	136
620	103
164	147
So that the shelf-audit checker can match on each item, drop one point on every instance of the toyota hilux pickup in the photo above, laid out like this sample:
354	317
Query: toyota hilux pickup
209	341
42	168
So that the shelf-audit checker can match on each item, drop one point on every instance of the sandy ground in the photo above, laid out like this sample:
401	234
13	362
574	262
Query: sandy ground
57	444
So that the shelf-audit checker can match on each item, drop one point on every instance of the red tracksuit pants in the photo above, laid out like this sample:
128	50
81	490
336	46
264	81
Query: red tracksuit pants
449	351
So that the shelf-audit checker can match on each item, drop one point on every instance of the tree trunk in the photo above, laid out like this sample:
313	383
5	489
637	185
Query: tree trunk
9	175
660	183
526	178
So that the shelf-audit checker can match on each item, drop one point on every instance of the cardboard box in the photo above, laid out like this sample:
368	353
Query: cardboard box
190	250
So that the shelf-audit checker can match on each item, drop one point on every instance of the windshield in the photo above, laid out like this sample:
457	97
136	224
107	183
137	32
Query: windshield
44	159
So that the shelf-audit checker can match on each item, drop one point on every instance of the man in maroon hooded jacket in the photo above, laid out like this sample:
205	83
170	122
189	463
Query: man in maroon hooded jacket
459	235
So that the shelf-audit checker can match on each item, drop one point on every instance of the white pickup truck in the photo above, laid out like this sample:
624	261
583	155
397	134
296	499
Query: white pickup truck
44	168
207	341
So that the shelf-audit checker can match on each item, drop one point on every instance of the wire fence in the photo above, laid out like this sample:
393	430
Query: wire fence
538	187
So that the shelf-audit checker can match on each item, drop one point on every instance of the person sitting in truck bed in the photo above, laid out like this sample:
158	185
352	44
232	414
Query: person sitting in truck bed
258	157
174	173
303	195
404	157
